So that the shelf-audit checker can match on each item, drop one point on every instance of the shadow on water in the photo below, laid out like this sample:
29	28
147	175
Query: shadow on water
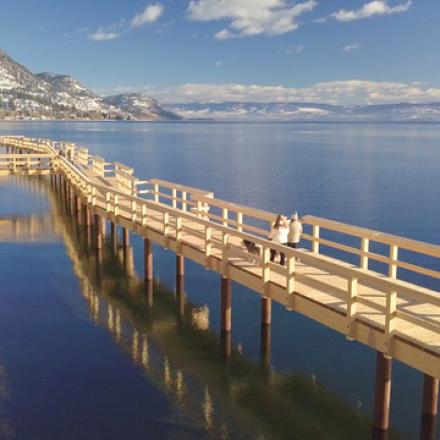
219	391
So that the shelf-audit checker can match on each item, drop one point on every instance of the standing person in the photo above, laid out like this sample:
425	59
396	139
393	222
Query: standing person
295	231
279	234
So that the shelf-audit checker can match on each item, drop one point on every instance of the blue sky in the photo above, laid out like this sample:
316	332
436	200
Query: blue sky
263	50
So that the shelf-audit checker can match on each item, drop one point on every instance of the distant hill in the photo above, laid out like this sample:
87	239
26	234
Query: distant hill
25	95
307	111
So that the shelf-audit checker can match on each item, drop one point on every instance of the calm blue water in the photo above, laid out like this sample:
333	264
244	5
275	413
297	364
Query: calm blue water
64	373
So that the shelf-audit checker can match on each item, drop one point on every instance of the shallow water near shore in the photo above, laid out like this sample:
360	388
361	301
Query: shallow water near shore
84	355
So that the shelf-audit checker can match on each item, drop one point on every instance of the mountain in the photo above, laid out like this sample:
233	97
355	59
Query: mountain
25	95
140	106
307	111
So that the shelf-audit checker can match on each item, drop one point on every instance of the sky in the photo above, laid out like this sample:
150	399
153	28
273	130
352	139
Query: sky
332	51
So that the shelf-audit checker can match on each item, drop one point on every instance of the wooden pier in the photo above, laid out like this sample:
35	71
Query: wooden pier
350	279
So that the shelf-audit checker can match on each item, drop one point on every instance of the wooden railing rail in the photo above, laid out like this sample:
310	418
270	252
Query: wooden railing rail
367	237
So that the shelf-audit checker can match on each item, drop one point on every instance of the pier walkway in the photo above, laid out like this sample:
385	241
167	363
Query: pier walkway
350	279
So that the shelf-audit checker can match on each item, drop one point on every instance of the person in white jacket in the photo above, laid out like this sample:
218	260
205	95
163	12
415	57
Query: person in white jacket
279	234
295	231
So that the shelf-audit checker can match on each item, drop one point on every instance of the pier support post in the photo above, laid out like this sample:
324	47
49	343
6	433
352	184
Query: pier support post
87	216
429	408
78	208
266	311
112	231
266	320
180	285
148	260
125	237
98	231
382	394
226	305
265	345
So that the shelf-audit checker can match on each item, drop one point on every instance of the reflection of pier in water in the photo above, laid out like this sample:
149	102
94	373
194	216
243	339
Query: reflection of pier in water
211	382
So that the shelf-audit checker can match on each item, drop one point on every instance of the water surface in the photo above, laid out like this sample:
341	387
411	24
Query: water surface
67	373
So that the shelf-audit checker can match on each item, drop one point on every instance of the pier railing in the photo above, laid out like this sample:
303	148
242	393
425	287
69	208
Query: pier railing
188	217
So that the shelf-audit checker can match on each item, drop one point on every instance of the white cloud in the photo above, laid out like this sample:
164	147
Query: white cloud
351	47
333	92
149	15
294	48
219	63
375	7
101	35
250	17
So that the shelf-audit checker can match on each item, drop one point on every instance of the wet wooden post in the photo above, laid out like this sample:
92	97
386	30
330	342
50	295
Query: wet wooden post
266	321
265	345
78	208
98	231
112	231
150	293
429	408
148	260
226	305
226	317
87	216
382	394
125	237
180	284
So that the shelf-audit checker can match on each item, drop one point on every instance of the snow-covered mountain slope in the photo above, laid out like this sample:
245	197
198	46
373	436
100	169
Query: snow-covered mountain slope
140	106
52	96
306	111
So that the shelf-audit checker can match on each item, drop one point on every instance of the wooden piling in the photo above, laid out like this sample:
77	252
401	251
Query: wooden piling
98	231
265	345
226	305
266	311
125	237
180	265
226	345
429	408
148	260
382	392
180	295
87	216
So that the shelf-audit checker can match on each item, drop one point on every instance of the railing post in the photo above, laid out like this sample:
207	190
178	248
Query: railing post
174	198
208	244
290	274
225	214
166	221
265	267
107	201
240	221
133	211
184	199
144	215
116	205
156	192
391	304
225	254
352	293
392	268
365	246
315	243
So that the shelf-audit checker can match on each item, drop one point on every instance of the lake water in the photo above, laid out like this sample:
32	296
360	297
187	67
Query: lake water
84	355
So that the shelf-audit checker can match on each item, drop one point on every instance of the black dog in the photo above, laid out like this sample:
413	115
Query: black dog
251	247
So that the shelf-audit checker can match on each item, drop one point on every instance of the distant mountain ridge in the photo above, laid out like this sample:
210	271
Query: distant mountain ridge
25	95
307	111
